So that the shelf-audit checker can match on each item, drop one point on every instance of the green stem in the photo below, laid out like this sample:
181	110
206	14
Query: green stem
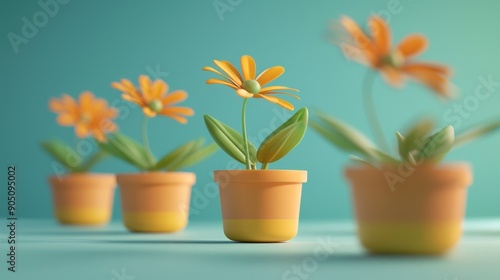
145	140
244	129
370	110
264	166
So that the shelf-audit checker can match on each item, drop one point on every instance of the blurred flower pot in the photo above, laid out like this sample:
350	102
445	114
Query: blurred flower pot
83	198
260	205
156	201
409	209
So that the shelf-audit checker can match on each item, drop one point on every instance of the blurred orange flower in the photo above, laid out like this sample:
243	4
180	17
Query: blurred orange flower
394	63
248	85
89	115
154	99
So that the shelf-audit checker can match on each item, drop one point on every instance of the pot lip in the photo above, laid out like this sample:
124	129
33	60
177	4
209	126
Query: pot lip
81	175
440	166
155	178
260	170
441	173
268	175
155	172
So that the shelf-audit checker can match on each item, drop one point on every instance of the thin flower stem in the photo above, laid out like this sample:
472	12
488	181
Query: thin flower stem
264	166
145	140
370	110
244	129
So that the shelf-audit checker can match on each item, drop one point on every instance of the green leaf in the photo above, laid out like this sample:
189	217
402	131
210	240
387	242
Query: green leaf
177	154
360	160
196	155
437	146
476	132
186	155
401	145
413	138
229	140
383	157
63	154
127	150
92	161
344	136
286	137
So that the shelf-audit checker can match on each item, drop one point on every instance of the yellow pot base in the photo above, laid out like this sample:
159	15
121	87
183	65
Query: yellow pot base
164	221
409	238
260	230
83	216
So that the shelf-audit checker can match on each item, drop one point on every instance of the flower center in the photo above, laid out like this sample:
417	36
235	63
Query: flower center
251	86
394	59
85	118
155	105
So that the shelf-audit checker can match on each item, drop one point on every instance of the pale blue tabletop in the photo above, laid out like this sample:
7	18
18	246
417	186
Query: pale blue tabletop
322	250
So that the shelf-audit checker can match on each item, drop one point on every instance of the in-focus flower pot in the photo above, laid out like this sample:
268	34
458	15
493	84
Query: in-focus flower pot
83	198
260	205
156	201
410	210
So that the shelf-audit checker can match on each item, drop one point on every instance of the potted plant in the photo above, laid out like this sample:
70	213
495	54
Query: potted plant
157	199
258	205
81	197
409	203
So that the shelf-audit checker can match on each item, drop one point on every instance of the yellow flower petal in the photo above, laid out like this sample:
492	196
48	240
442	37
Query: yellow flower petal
69	103
178	110
221	82
248	67
412	45
359	36
81	130
280	92
207	68
273	88
148	112
270	74
174	97
174	116
66	119
86	101
145	85
243	93
55	105
132	99
381	35
230	70
159	89
283	103
99	135
392	76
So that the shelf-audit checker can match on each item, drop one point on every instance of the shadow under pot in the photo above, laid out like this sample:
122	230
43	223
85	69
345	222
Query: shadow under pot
260	205
156	201
83	198
409	209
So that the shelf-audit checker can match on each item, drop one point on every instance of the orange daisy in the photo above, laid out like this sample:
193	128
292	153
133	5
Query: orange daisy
248	84
394	63
89	115
154	98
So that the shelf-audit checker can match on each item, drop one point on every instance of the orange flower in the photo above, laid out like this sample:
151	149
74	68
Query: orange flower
247	85
394	63
154	99
89	116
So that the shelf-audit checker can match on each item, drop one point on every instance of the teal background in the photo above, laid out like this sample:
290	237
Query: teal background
88	44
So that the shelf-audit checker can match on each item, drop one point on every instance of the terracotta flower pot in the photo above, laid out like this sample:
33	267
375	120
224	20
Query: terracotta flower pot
156	201
410	210
260	205
82	198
